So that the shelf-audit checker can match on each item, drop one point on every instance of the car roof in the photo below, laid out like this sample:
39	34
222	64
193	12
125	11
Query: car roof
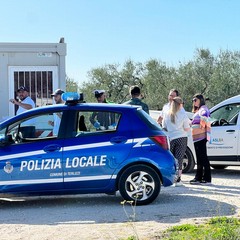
82	106
235	99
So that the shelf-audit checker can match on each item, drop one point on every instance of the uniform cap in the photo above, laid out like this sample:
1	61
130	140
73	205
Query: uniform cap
22	88
57	92
98	93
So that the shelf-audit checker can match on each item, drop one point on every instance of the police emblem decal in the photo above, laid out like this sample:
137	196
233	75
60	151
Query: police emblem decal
8	168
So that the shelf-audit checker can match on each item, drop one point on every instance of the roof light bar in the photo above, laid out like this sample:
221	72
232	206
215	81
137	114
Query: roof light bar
72	97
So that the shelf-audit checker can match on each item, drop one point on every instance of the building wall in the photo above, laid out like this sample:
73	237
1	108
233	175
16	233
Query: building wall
28	54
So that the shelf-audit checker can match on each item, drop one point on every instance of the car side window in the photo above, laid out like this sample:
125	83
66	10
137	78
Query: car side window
39	127
226	115
91	121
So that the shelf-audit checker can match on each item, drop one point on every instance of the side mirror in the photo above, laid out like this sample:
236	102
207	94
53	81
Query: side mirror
4	141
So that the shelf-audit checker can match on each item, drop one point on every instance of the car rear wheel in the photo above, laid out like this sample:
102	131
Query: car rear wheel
140	184
188	162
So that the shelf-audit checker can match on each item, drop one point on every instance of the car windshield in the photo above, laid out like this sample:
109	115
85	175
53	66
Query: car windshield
228	112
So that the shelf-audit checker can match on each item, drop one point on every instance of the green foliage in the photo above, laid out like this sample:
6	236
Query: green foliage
71	85
114	80
131	238
225	80
158	79
195	76
216	77
220	228
183	227
224	220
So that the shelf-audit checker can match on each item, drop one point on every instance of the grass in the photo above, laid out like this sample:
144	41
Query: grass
219	228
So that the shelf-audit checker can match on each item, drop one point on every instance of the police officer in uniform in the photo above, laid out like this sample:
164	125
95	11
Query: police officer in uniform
102	120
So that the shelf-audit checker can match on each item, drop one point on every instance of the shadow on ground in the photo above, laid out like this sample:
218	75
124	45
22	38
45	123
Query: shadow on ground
173	205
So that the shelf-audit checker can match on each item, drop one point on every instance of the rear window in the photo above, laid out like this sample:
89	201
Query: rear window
96	121
148	120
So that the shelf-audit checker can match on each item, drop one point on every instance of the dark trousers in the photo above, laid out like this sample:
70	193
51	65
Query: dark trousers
203	165
178	148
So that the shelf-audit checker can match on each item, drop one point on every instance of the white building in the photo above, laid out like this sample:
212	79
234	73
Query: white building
38	66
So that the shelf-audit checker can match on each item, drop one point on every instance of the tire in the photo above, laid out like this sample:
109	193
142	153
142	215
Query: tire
188	162
139	183
219	167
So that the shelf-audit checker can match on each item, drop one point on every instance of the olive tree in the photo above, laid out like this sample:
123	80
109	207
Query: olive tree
115	80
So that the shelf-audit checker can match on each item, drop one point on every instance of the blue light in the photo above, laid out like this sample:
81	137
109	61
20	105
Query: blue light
72	97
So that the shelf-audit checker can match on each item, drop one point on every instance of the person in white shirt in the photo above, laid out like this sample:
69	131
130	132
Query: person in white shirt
177	125
25	102
57	95
172	94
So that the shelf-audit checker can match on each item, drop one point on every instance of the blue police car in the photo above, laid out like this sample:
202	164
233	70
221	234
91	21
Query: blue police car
80	147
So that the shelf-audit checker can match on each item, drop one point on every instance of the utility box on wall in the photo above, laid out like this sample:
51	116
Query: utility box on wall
38	66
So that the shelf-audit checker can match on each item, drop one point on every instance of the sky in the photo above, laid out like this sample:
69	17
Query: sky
100	32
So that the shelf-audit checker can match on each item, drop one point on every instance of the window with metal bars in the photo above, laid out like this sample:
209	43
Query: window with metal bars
39	83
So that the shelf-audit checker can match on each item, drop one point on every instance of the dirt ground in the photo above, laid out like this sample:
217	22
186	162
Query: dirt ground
102	217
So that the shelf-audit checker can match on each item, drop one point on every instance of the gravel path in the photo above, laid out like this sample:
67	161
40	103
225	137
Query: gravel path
103	217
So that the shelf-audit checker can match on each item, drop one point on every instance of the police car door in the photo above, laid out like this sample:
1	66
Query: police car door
92	155
32	159
224	145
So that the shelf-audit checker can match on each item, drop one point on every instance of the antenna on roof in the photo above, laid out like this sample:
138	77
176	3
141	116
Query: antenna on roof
61	40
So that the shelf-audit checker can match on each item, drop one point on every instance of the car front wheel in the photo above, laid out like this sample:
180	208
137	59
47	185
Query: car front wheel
140	184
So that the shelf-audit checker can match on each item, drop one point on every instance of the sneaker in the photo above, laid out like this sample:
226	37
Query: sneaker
178	183
195	181
204	182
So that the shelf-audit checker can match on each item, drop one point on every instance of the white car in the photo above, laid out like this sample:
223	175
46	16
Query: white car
224	147
190	155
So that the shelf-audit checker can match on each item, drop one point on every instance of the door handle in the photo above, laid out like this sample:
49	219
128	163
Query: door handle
230	131
118	139
52	148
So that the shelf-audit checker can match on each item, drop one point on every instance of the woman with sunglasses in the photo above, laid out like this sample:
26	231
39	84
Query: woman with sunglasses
201	112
